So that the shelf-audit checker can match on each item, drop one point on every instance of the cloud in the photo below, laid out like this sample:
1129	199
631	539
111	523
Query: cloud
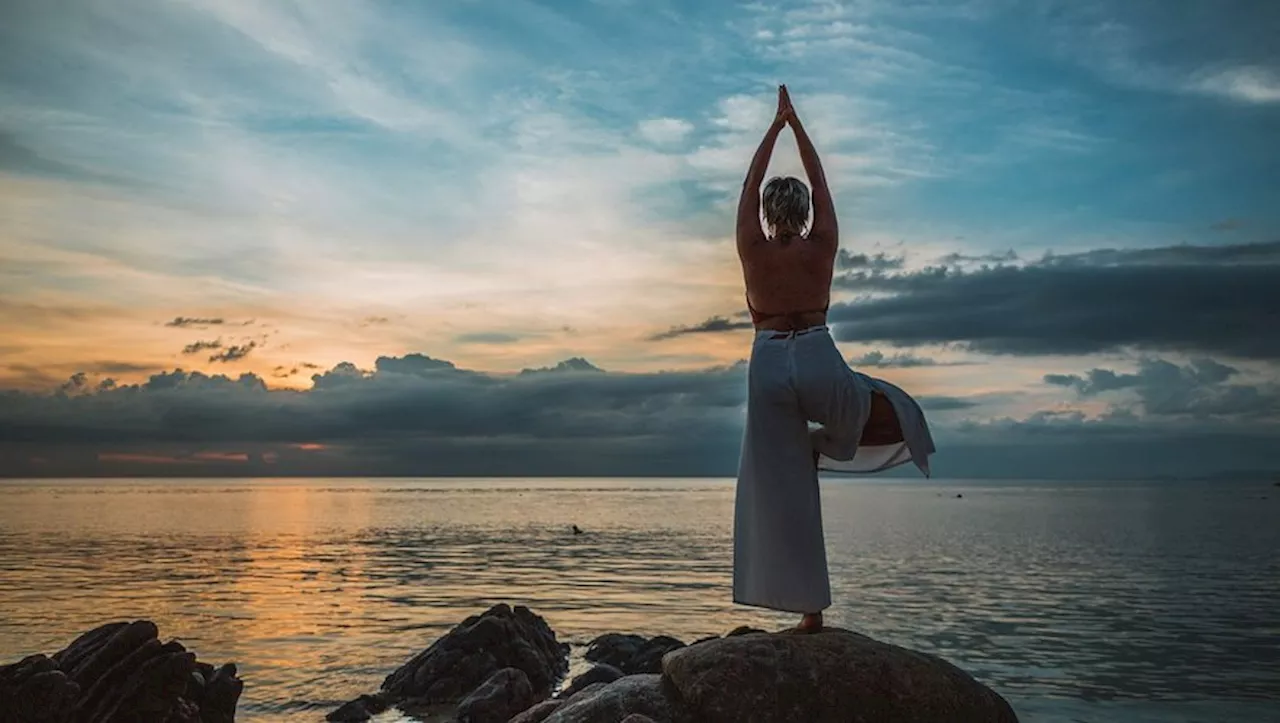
712	325
576	364
1207	299
235	352
1072	445
945	404
199	346
1144	45
956	258
412	364
417	415
879	262
664	131
1228	224
877	358
414	409
1248	84
186	322
1163	388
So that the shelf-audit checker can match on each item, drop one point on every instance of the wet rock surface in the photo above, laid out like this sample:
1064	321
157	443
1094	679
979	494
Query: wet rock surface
452	668
833	675
632	654
119	673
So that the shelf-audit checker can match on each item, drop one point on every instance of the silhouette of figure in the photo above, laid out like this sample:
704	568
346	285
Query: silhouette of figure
797	376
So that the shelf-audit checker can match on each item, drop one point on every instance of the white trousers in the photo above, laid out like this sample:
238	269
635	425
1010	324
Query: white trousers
779	554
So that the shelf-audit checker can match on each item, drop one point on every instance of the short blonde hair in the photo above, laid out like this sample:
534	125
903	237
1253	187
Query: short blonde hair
786	203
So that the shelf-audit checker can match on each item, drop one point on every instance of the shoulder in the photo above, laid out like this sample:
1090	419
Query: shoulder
826	238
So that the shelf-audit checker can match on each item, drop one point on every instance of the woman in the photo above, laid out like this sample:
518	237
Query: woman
796	377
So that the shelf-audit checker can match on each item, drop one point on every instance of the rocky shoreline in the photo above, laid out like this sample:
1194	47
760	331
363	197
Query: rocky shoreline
505	665
115	673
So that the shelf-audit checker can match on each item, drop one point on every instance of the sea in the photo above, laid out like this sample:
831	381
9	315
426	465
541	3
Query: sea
1077	601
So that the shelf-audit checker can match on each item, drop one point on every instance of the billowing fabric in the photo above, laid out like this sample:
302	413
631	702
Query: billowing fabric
779	556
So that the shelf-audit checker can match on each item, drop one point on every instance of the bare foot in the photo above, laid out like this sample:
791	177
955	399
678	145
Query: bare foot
810	623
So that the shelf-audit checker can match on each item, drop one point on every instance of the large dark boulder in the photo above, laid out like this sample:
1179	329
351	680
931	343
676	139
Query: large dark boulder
458	663
118	673
505	694
834	675
756	677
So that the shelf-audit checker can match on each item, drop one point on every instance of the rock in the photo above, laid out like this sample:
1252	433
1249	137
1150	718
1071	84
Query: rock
538	713
115	673
34	689
608	703
221	693
614	649
454	666
601	673
743	630
638	718
360	709
184	711
631	653
505	694
833	675
649	659
195	686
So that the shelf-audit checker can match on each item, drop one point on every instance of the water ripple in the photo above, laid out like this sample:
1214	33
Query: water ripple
1132	602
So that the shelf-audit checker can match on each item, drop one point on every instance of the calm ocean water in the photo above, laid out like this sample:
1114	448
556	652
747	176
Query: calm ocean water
1094	602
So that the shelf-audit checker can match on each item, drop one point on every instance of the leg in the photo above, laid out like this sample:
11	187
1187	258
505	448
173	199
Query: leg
882	424
779	551
851	414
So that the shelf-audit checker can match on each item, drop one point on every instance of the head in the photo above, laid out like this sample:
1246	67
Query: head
786	205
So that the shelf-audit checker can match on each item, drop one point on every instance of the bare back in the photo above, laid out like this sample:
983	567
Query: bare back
785	276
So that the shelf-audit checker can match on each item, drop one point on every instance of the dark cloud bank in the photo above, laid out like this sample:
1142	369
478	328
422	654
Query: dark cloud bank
1214	300
1219	300
415	415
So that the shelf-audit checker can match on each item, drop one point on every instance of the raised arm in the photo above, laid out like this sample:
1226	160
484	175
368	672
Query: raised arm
749	230
824	209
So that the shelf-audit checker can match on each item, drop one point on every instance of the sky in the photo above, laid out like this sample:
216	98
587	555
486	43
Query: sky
495	237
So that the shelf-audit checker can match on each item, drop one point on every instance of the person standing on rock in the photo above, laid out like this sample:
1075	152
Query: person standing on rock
797	376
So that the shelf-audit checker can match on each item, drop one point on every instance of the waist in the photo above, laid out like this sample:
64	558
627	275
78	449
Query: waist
790	322
788	333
